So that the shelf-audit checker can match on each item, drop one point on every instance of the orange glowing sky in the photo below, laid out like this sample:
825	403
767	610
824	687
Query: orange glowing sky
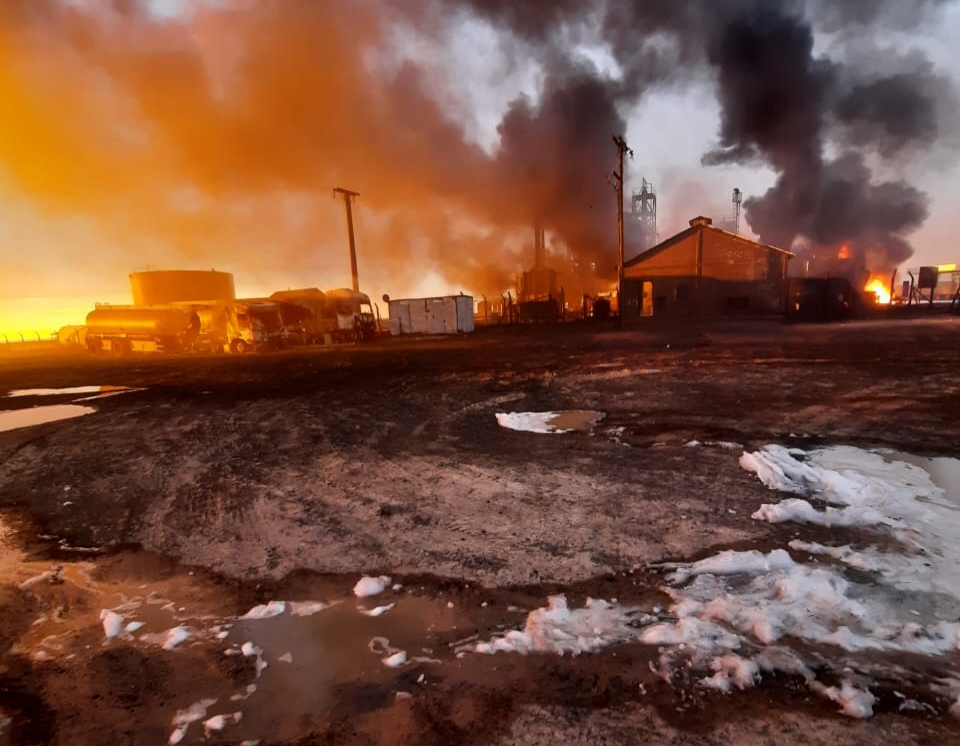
209	135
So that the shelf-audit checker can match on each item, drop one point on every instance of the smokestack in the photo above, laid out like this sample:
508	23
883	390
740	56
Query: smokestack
539	249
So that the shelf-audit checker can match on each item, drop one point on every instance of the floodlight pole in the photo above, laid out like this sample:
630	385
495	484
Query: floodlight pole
348	198
622	149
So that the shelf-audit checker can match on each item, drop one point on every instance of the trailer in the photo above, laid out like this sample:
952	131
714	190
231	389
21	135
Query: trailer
448	314
124	329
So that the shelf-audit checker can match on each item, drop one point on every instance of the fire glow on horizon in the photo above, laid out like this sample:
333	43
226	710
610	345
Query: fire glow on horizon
214	131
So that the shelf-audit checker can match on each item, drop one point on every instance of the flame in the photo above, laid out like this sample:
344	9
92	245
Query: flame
844	252
878	288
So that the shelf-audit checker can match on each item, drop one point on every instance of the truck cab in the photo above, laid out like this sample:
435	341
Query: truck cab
353	312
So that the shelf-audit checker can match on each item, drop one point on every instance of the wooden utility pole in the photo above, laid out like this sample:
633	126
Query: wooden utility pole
348	198
622	149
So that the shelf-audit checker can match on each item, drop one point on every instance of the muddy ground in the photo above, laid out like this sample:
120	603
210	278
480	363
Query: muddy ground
225	482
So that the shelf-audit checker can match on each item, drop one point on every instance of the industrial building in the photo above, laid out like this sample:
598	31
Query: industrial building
705	272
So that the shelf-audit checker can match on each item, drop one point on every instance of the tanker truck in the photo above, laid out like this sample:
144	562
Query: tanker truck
125	329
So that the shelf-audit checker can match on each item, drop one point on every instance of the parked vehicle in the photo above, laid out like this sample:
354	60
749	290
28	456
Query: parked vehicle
125	329
353	313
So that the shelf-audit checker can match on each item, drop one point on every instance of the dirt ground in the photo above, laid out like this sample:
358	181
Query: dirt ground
224	481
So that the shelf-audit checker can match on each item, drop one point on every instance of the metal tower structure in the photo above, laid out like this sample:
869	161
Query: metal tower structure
645	212
737	200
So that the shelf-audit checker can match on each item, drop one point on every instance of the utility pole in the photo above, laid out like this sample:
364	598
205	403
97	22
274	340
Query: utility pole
348	198
622	149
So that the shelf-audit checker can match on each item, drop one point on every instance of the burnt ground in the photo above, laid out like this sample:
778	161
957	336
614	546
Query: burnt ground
236	480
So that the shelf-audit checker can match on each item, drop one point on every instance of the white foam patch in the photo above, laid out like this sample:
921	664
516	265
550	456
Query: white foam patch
559	629
732	671
183	719
564	421
801	511
266	611
731	563
919	509
218	722
529	422
250	650
378	611
174	637
307	608
853	700
396	660
112	623
751	601
368	586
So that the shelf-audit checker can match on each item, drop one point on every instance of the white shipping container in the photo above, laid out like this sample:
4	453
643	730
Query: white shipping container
449	314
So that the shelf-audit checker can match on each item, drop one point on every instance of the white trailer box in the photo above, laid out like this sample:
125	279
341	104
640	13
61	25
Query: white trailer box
449	314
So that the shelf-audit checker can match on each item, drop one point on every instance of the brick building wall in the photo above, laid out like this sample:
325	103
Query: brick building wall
704	272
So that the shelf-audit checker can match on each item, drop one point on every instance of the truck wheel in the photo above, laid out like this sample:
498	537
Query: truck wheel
118	347
239	346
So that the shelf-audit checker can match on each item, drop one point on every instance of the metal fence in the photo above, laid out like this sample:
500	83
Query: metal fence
27	337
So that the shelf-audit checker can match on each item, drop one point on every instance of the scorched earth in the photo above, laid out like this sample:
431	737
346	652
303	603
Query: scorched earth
727	534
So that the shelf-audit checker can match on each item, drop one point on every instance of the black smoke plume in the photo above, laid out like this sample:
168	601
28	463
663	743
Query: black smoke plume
784	106
215	135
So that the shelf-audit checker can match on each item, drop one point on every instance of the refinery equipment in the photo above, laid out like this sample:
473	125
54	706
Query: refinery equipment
644	207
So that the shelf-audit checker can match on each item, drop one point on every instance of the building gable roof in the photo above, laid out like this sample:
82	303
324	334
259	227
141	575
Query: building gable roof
687	232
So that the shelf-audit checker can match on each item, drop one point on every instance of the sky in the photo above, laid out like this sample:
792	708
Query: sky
199	134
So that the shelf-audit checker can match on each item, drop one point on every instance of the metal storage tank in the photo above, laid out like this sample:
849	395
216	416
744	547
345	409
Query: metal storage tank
159	287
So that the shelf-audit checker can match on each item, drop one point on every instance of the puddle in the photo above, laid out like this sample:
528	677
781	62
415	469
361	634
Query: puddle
944	472
302	656
309	658
563	421
67	391
18	418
